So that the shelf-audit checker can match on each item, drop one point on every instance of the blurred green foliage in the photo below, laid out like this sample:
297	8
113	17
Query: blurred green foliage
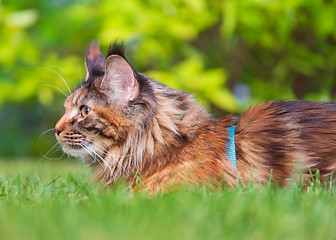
258	49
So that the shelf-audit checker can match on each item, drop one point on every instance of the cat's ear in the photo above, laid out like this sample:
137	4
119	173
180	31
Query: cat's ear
94	60
119	79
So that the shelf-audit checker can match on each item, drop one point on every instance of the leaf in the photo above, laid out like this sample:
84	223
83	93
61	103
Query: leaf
229	17
224	99
22	19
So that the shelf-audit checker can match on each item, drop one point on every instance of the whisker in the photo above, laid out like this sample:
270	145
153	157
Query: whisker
94	158
37	145
64	73
44	156
96	150
113	156
55	159
119	133
51	129
92	162
47	84
89	164
58	75
97	134
105	151
82	158
99	157
90	150
58	68
54	151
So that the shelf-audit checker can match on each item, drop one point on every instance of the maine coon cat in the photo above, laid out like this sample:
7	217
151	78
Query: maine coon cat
132	127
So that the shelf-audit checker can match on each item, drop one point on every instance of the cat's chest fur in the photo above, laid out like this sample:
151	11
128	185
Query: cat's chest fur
133	128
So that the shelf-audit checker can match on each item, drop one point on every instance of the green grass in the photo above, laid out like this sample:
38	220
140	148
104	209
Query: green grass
57	200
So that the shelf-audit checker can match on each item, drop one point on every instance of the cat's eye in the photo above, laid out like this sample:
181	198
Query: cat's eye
85	110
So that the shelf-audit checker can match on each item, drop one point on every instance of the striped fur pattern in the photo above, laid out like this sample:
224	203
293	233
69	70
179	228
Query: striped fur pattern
130	126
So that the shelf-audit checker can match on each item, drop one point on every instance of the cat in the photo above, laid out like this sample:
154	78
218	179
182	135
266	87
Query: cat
139	130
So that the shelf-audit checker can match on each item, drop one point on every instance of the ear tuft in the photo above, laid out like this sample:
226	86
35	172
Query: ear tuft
117	48
94	60
119	80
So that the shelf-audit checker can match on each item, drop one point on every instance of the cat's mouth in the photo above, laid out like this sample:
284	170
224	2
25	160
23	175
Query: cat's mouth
73	150
73	144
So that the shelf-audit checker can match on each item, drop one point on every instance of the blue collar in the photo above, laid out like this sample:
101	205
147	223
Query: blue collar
231	150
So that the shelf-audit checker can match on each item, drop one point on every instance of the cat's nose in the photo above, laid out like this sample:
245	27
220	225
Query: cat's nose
59	126
58	131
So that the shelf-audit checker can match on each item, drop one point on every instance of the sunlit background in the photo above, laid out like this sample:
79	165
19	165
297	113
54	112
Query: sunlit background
228	53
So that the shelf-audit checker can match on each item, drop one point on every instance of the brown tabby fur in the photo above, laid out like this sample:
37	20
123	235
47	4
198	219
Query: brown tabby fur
139	128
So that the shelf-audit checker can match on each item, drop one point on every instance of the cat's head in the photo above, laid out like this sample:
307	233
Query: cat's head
103	110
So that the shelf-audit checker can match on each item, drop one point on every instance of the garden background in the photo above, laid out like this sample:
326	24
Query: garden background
229	53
